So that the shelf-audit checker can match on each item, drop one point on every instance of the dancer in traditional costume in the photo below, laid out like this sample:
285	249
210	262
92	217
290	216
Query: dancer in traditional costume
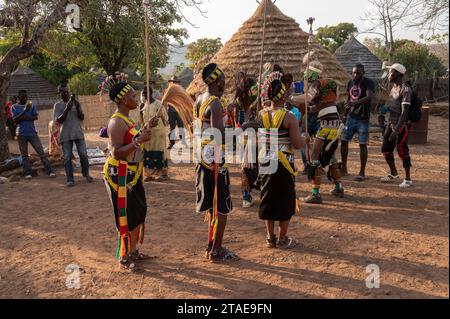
322	96
212	176
243	113
155	156
123	170
277	168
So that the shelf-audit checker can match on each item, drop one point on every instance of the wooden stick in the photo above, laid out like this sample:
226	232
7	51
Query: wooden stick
146	4
310	37
258	99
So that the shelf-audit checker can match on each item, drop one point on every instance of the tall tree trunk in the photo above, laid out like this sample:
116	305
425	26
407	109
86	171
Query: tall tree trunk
4	148
9	61
4	85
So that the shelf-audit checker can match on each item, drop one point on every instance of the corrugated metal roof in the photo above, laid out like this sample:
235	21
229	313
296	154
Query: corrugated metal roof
353	52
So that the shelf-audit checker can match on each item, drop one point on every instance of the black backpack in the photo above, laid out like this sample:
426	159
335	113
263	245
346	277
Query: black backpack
415	109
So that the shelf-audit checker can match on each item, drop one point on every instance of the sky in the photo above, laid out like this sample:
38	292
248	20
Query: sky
224	17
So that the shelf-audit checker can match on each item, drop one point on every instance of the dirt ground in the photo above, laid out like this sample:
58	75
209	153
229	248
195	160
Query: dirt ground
46	227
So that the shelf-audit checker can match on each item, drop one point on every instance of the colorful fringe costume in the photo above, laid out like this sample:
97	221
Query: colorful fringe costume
123	180
331	128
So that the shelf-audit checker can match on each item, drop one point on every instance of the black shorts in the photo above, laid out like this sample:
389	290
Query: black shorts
204	184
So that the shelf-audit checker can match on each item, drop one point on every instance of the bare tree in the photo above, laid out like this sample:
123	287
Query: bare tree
429	16
387	15
32	19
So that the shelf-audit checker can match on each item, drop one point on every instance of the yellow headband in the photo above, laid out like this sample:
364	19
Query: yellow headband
214	76
122	93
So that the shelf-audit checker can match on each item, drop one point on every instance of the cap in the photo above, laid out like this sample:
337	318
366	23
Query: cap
397	67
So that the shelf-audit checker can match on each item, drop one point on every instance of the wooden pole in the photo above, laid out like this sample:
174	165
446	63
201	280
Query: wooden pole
261	62
146	4
310	22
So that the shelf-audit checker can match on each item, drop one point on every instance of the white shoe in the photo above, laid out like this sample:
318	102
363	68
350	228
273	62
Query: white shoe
406	184
389	178
247	204
52	175
28	177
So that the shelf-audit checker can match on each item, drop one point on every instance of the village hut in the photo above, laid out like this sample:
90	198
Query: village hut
43	93
285	44
353	52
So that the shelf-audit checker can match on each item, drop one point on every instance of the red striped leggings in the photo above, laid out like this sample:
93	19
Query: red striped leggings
401	143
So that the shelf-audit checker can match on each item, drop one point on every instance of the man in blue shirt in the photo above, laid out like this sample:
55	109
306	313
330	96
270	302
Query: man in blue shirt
24	115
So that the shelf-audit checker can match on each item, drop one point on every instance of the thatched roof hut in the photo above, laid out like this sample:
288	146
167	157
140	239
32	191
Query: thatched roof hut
39	90
286	44
353	52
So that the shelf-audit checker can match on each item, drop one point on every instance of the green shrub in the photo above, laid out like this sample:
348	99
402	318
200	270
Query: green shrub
84	83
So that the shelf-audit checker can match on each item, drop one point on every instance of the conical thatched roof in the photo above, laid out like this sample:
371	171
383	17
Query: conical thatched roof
39	90
286	44
353	52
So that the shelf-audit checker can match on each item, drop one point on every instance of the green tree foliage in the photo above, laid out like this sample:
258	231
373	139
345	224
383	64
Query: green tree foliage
179	68
84	83
332	37
198	49
56	72
416	57
114	30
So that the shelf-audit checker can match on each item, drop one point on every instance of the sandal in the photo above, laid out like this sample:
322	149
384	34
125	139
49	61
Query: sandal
360	178
222	255
127	265
208	251
287	243
389	178
137	256
271	242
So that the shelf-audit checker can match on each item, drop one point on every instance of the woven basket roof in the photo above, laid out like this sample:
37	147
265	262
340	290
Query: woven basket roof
286	44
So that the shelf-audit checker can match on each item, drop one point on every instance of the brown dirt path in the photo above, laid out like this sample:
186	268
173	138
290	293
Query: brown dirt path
46	227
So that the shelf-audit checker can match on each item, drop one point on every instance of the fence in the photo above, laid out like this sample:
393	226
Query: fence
97	113
432	90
